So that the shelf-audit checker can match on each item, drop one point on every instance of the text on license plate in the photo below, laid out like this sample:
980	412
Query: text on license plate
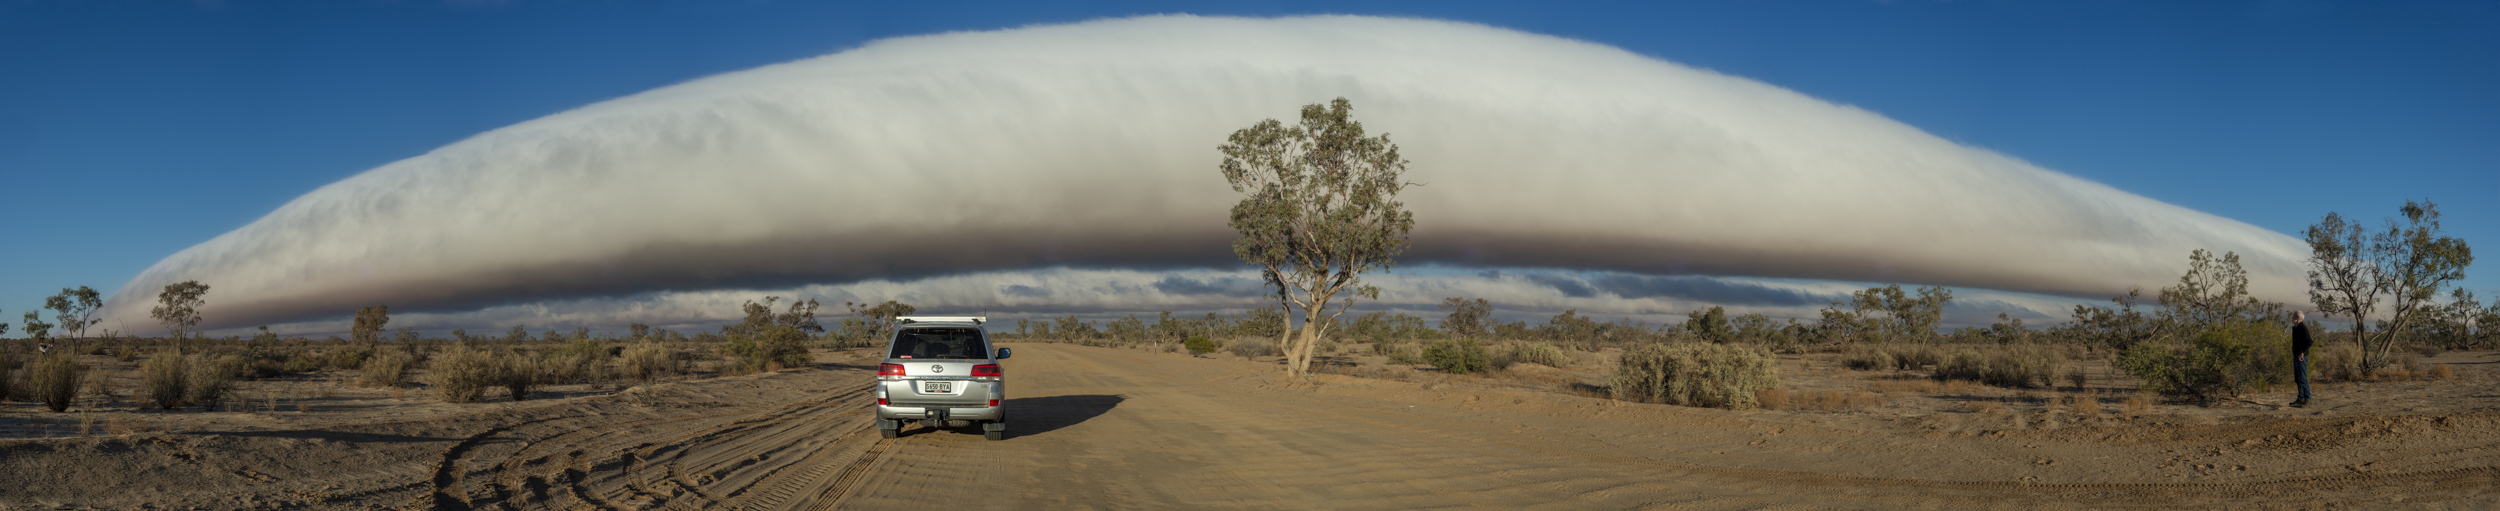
937	387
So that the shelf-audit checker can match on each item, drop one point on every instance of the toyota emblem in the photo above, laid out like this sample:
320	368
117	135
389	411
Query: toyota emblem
937	369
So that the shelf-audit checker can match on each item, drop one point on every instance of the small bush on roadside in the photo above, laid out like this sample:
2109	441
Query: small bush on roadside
54	379
462	375
300	363
647	361
1539	353
387	370
1252	347
1910	358
1711	375
518	373
2224	361
346	359
1866	358
166	377
2009	366
2335	361
1199	345
210	378
1458	357
8	381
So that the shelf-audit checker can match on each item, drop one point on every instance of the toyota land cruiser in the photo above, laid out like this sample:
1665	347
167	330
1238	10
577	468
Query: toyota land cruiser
939	371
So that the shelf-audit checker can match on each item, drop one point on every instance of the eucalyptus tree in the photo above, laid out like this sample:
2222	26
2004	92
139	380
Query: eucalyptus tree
1319	209
75	309
2351	270
178	308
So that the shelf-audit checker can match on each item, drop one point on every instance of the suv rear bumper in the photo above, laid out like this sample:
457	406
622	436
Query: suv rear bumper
951	412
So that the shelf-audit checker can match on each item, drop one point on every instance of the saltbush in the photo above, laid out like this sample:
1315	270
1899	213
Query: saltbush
8	364
1711	375
1539	353
518	373
1866	358
166	377
1458	357
211	378
462	375
1199	345
1252	347
2007	366
54	380
2225	361
386	371
647	361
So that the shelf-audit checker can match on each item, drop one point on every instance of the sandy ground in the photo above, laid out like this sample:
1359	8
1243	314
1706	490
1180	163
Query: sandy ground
1106	428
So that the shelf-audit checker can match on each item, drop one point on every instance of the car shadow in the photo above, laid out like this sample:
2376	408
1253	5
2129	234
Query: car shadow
1041	415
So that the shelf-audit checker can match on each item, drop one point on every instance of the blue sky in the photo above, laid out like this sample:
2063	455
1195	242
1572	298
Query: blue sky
132	130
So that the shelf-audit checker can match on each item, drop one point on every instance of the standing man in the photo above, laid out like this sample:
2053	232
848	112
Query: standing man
2300	358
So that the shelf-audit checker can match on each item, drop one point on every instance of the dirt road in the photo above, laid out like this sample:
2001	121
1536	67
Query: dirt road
1100	428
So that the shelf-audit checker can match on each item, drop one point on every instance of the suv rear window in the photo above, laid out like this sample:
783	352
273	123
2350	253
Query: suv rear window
939	343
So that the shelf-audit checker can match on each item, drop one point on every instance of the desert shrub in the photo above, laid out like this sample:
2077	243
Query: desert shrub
462	375
167	379
346	359
2427	350
1539	353
1712	375
1909	358
1458	357
1252	347
778	345
2009	366
8	381
1401	353
2336	361
518	373
570	366
2224	361
54	379
1866	358
647	361
211	377
1199	345
386	370
300	363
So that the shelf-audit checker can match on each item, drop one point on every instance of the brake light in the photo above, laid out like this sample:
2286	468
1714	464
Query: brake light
990	370
884	370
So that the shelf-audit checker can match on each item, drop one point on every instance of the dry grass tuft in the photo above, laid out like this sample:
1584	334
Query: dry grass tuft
2139	404
1820	401
1987	407
2442	372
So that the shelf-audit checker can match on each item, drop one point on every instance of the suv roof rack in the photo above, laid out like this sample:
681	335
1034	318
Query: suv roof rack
942	319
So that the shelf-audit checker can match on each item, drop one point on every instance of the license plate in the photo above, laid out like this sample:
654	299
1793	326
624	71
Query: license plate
937	387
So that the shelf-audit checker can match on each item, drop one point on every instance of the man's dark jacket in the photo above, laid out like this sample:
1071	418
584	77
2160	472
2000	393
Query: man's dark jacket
2300	338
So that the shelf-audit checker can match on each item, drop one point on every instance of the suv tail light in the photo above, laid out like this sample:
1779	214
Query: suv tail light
886	371
987	372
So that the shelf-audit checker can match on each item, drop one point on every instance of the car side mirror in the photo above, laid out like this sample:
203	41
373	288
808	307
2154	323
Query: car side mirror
1003	353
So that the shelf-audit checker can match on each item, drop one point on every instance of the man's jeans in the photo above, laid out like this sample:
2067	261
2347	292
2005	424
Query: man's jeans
2300	374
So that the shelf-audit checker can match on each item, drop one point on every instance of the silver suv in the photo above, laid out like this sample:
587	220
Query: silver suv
939	370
